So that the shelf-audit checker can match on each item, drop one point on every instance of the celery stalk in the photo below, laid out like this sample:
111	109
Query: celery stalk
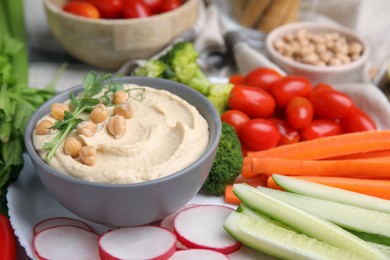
14	13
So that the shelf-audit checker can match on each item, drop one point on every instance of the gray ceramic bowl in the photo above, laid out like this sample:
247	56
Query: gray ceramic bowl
129	204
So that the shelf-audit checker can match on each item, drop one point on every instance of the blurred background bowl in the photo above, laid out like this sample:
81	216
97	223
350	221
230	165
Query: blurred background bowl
345	73
109	43
129	204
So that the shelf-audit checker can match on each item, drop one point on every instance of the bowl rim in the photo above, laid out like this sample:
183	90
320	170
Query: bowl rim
281	30
63	96
104	21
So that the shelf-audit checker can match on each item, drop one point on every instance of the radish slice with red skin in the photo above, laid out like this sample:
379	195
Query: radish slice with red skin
142	242
66	242
201	227
196	254
167	222
60	221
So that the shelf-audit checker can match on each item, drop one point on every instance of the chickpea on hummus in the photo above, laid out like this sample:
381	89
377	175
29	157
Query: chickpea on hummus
130	141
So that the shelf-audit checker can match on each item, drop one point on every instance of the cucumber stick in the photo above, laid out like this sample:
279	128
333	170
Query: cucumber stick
306	223
346	216
325	192
261	234
244	209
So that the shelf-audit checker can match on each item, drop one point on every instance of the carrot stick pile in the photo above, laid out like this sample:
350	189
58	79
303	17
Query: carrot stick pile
356	161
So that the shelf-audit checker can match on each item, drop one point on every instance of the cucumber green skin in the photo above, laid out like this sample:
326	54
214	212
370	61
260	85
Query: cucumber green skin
321	191
346	216
264	235
305	223
374	238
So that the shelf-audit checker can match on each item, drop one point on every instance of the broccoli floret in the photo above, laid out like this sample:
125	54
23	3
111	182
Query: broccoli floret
182	58
219	95
227	163
152	68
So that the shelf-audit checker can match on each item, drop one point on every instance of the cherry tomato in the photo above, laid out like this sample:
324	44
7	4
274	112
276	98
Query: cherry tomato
255	102
321	128
235	118
322	86
169	5
109	9
135	9
154	5
289	87
288	134
236	79
259	134
357	120
262	78
82	9
330	104
299	112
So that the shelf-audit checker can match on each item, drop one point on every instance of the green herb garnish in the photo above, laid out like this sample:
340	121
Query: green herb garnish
93	85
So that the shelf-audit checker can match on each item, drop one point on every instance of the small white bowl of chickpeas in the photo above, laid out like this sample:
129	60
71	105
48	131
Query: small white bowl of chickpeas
320	51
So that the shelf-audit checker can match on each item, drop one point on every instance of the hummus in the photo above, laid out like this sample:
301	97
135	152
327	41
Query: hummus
164	135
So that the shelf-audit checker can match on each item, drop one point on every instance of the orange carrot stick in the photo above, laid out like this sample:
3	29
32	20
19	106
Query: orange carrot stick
364	168
363	155
377	188
230	197
254	181
332	146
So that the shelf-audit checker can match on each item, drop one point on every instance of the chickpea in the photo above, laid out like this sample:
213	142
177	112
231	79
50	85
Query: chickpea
98	114
355	48
124	110
43	127
72	146
120	97
88	154
57	110
86	128
117	126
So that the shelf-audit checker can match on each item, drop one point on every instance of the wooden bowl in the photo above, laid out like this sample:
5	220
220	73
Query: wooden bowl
109	43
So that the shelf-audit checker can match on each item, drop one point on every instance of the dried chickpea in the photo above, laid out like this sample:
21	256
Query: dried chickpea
43	127
57	110
98	114
86	128
117	126
120	97
124	110
88	154
72	146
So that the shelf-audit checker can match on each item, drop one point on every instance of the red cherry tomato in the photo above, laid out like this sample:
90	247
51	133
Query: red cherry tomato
262	78
82	9
321	128
330	104
299	112
289	87
288	134
109	9
169	5
322	86
259	134
357	120
135	9
236	79
255	102
154	5
235	118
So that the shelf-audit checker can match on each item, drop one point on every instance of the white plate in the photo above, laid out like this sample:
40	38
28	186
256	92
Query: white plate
29	202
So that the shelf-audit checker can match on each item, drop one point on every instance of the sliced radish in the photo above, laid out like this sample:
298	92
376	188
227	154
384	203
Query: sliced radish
167	223
144	242
196	254
60	221
66	242
201	227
